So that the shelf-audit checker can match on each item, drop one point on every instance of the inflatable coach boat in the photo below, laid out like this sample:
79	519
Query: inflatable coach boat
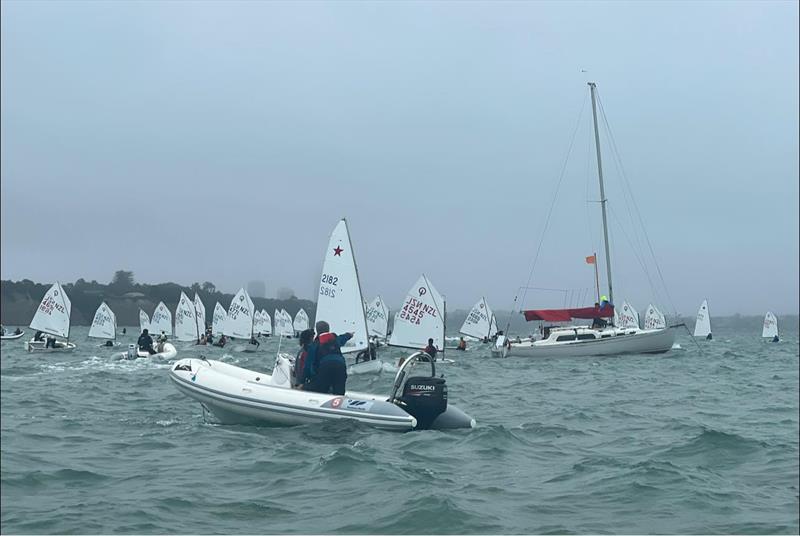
239	396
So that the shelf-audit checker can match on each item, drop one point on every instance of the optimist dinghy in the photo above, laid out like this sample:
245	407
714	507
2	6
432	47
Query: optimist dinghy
52	317
239	396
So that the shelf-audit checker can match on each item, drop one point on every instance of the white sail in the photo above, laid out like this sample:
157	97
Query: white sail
218	320
104	325
200	314
286	324
339	301
186	320
377	318
702	326
161	321
267	323
493	328
626	316
300	322
53	313
144	321
420	318
240	316
770	326
654	319
479	321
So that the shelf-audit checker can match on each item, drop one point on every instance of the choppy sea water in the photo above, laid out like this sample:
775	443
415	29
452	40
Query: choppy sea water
696	440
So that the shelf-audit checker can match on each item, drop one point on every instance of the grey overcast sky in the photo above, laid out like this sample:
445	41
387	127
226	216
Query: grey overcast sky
194	141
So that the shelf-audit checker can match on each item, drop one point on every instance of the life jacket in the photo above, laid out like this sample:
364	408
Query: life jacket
327	346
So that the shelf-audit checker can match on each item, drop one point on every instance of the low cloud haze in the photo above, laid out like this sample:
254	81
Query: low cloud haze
223	141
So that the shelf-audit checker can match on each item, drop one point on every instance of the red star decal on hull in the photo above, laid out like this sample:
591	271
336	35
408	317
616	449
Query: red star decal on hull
337	252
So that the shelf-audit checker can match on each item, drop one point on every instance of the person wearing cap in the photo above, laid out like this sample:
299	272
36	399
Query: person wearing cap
325	370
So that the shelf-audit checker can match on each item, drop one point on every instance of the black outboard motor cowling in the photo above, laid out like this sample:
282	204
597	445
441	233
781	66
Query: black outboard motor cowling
425	398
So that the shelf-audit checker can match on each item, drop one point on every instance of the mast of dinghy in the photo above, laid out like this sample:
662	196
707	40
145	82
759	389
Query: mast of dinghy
593	88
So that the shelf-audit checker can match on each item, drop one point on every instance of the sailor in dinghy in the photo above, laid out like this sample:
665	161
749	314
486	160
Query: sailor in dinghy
52	318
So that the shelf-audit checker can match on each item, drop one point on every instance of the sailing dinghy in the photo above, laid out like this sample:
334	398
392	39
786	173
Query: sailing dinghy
52	317
770	330
480	323
218	320
702	326
186	326
421	317
340	302
239	324
104	326
161	321
300	322
378	319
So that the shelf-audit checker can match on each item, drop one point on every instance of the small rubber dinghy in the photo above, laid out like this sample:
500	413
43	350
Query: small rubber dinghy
163	351
12	336
239	396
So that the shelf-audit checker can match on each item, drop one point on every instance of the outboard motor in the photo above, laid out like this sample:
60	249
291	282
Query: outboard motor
423	397
131	351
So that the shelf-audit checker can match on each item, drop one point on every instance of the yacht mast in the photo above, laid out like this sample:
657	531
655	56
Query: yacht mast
603	199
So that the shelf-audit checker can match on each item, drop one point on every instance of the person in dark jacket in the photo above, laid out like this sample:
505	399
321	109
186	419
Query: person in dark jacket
325	368
431	349
306	338
146	342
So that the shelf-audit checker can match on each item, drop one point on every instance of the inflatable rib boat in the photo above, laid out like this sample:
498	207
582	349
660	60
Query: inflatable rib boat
239	396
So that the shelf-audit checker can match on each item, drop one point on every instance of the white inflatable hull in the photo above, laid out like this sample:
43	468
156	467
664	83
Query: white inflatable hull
11	337
640	342
168	352
39	347
375	366
240	396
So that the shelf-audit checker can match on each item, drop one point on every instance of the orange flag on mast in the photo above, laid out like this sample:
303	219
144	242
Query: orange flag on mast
591	259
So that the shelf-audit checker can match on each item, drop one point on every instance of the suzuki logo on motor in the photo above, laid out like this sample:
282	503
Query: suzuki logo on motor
423	387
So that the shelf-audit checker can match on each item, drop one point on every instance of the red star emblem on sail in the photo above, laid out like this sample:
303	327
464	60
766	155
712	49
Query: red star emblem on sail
337	252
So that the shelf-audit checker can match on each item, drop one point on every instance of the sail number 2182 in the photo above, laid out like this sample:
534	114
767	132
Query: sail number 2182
325	289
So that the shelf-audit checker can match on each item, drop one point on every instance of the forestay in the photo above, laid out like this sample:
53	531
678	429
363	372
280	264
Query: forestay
53	313
420	318
144	321
300	321
339	301
479	321
200	314
186	320
240	316
654	319
626	316
377	318
702	326
161	321
104	325
218	320
770	326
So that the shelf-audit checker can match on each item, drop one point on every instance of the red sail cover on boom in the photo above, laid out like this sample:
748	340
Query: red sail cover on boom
565	315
